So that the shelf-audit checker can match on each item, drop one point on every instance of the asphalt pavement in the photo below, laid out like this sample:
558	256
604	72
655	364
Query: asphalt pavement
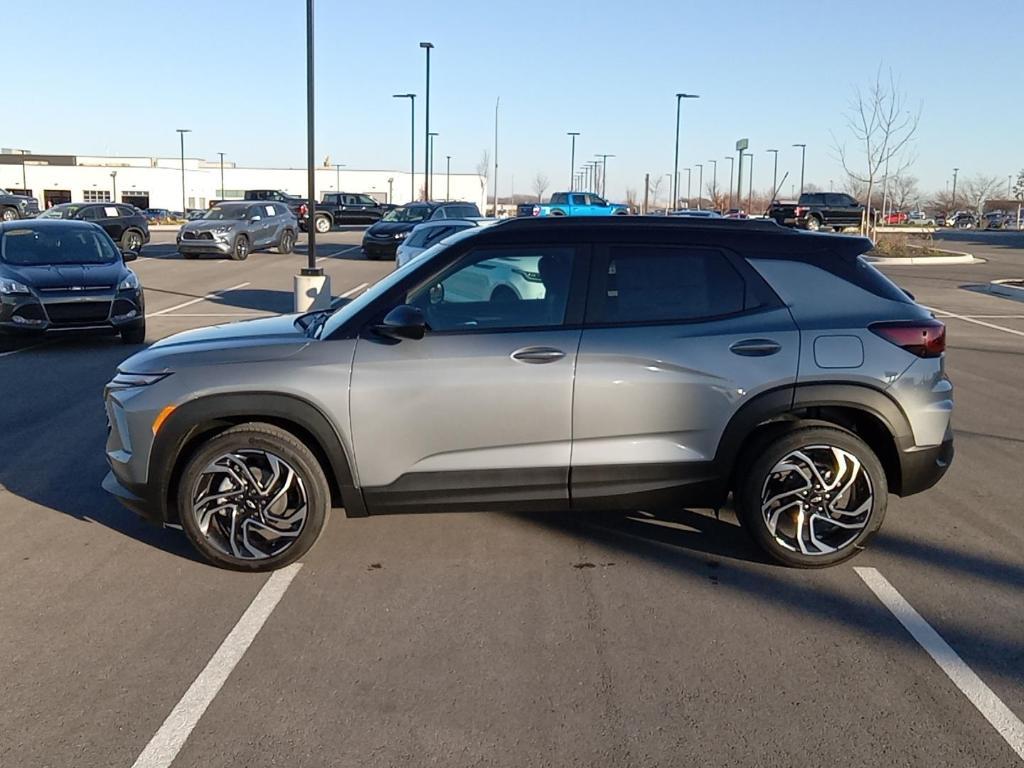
501	639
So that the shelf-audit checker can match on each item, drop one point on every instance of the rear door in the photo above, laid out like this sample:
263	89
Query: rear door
676	338
478	413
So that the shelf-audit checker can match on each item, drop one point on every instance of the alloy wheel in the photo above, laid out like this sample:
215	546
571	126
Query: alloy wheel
250	504
817	500
9	214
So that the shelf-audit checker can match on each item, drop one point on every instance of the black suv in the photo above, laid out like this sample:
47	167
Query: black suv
382	239
125	224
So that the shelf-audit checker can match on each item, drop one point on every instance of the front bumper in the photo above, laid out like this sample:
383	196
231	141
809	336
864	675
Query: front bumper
381	248
204	246
72	310
921	468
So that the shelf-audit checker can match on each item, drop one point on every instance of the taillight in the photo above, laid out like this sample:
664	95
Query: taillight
800	209
303	210
535	211
924	338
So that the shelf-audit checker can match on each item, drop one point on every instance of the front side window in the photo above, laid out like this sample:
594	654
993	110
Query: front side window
655	284
225	213
366	200
499	289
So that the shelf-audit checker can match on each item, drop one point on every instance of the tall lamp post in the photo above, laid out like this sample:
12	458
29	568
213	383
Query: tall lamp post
113	180
750	182
700	183
181	133
669	177
430	184
497	105
689	176
426	129
311	286
337	176
572	160
604	172
953	202
732	169
221	174
412	143
775	172
448	178
803	158
714	180
675	161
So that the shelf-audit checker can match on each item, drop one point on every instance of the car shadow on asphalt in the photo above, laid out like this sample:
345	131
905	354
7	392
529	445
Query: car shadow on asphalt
702	549
279	302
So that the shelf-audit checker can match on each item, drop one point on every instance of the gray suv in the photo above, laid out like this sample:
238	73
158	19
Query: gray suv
235	229
657	363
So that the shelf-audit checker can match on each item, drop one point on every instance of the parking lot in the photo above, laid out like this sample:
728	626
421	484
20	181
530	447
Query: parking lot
499	639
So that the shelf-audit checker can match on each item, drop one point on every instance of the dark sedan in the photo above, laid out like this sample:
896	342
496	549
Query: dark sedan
381	240
60	274
125	224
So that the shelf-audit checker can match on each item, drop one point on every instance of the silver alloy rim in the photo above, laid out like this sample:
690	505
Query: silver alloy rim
9	215
287	241
322	224
242	247
250	504
134	241
817	500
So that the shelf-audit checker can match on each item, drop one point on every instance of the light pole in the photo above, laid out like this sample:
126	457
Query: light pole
1009	186
953	202
448	178
426	129
311	286
337	176
689	175
700	182
592	166
669	177
604	172
732	168
181	133
675	161
714	180
430	184
221	174
750	184
803	157
412	152
572	160
113	180
391	192
775	172
497	104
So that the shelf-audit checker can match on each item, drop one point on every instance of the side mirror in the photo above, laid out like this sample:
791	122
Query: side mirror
254	219
436	294
403	322
129	255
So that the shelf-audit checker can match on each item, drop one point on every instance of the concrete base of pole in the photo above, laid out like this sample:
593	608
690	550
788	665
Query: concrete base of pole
312	292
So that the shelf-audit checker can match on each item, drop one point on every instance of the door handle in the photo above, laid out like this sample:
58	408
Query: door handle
537	355
755	347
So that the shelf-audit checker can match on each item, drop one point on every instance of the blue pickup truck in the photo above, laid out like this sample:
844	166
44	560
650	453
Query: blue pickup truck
573	204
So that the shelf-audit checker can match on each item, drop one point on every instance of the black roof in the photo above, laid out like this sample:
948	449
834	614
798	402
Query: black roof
750	236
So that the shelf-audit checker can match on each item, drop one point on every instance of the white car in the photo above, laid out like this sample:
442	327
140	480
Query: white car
430	233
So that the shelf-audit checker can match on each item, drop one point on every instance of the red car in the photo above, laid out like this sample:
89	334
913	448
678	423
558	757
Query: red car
896	217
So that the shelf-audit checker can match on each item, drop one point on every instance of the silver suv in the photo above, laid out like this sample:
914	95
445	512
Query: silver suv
235	229
656	363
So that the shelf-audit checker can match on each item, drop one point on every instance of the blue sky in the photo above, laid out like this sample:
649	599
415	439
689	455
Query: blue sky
117	77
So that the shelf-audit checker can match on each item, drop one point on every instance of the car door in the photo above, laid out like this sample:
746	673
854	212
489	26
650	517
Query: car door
478	413
263	230
110	218
676	339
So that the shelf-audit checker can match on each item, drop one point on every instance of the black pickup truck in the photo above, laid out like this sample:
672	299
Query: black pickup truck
818	210
339	208
17	206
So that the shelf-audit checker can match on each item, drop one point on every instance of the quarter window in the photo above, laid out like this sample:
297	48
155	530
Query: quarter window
665	284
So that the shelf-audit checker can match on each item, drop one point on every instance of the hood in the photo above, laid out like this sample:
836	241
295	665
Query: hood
207	225
392	227
66	275
269	338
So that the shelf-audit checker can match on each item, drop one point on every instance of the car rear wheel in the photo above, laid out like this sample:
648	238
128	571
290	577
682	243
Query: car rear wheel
253	498
812	497
287	244
813	223
323	224
240	250
8	214
131	240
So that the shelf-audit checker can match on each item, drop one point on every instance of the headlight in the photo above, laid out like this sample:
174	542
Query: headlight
221	230
122	379
401	235
130	283
12	286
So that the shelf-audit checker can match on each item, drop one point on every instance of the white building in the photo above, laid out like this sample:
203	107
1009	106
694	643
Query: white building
156	182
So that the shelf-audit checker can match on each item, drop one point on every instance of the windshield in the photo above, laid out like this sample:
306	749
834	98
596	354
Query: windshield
226	213
59	212
407	213
78	245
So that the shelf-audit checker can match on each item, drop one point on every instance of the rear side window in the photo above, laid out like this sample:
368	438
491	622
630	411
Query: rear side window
461	211
665	284
419	236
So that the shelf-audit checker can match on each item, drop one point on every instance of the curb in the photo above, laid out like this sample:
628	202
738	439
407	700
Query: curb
1003	288
164	227
955	257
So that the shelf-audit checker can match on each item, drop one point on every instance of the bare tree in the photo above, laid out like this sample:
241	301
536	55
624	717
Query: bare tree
631	198
655	186
942	201
483	169
719	198
1018	194
882	127
904	191
977	191
540	184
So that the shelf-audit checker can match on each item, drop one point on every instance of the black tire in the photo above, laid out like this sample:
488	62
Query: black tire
188	255
322	224
372	256
287	244
752	488
255	438
131	240
8	214
240	248
556	212
134	333
813	223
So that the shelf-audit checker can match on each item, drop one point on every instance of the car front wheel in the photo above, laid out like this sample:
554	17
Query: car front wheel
8	214
240	250
812	497
253	498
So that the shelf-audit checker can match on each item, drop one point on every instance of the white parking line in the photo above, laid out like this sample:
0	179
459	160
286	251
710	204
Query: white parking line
353	291
212	295
171	737
1007	724
26	349
223	314
968	319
